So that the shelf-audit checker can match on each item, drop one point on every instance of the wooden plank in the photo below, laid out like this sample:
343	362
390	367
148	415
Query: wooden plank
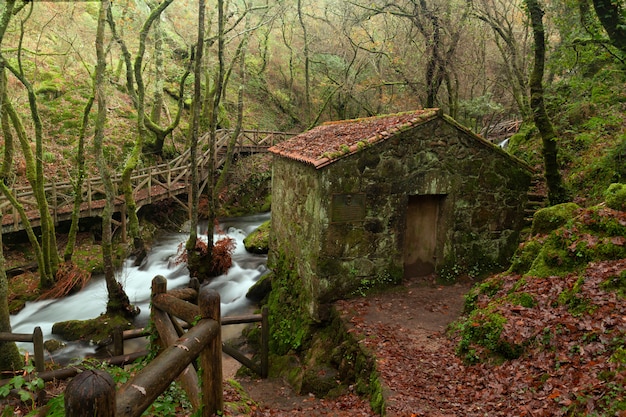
137	394
176	307
168	335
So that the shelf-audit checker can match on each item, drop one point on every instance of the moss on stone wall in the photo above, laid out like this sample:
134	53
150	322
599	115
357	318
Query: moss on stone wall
290	323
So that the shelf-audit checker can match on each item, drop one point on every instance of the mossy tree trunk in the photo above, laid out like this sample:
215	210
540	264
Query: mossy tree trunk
8	118
34	163
556	191
612	16
47	257
213	122
190	247
135	156
153	121
10	358
240	55
79	177
118	302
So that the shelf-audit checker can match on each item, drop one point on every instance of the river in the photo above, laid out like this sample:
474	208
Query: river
91	301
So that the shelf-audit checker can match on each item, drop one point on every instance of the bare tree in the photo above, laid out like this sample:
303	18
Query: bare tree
440	25
556	191
503	18
49	259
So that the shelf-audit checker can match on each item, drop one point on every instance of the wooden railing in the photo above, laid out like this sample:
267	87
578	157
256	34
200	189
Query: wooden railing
36	338
180	303
149	184
94	394
199	312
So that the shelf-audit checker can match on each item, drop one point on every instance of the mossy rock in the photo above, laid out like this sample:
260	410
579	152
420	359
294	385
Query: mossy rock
97	331
261	289
525	256
551	218
53	345
287	367
22	288
259	240
615	196
321	381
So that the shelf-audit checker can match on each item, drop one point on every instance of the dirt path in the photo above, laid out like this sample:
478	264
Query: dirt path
403	324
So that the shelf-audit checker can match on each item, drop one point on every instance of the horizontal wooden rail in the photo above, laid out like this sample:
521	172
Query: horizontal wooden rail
167	301
36	338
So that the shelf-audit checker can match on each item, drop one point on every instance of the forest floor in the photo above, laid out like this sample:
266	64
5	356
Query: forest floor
572	362
406	330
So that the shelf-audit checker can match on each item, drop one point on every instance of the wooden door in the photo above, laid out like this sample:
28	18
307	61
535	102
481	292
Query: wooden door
420	239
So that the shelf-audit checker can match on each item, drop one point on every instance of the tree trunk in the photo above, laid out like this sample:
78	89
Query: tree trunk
118	302
34	173
10	358
556	191
195	126
307	63
78	183
611	15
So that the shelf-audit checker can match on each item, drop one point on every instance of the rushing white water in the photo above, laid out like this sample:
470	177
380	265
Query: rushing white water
161	260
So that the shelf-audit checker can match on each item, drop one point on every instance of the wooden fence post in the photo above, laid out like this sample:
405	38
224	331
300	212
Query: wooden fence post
90	394
118	341
159	285
211	356
38	349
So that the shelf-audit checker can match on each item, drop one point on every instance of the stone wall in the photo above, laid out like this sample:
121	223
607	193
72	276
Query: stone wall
482	211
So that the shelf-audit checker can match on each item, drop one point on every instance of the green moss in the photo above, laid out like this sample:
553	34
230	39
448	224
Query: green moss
523	299
258	241
551	218
290	323
377	397
245	404
594	234
488	288
576	304
94	330
615	196
524	256
481	338
617	284
10	358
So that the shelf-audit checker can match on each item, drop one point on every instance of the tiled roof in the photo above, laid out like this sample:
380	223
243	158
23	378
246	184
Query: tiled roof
326	143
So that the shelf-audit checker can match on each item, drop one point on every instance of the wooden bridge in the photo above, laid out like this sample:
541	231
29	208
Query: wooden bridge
150	184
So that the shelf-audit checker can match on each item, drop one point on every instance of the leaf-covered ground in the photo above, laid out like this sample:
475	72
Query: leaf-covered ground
569	341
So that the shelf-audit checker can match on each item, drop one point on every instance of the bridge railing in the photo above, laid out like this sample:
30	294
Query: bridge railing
149	183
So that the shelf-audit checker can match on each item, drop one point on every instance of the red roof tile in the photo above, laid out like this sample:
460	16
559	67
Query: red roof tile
330	141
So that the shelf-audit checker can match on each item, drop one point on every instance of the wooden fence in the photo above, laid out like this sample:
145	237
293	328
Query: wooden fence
150	184
94	394
36	338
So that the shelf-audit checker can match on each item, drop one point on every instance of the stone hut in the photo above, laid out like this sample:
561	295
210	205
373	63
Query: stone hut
366	202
